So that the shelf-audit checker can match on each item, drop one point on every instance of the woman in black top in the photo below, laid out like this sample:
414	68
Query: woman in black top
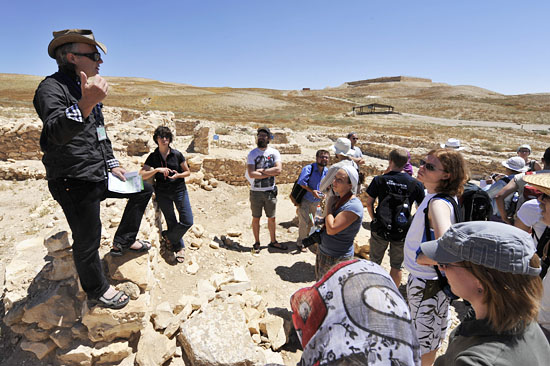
169	168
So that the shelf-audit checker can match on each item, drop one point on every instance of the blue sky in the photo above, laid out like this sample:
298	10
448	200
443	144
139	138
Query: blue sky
498	45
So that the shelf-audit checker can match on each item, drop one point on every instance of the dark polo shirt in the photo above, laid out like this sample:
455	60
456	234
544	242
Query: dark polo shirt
173	161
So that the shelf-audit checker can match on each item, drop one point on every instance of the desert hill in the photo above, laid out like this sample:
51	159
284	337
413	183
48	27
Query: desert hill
289	107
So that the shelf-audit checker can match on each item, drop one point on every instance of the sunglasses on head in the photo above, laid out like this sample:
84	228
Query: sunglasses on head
429	166
94	56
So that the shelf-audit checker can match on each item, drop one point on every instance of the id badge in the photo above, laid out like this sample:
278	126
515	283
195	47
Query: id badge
101	134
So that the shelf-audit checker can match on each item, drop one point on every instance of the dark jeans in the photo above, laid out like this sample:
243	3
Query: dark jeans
80	201
176	229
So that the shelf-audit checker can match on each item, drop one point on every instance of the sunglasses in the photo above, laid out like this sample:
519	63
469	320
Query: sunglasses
429	166
94	56
524	151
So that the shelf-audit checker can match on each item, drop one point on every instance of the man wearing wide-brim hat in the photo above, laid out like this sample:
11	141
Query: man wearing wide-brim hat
78	157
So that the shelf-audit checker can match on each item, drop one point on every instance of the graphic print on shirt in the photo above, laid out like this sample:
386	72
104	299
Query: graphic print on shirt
264	162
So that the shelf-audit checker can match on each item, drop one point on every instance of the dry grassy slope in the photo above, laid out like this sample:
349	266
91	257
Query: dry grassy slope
294	108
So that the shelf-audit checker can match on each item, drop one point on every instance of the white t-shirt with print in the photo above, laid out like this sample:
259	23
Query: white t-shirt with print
263	159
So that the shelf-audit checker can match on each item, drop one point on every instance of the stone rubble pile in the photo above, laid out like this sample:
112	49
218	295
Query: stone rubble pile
223	322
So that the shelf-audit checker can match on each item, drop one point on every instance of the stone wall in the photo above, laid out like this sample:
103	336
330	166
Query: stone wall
20	139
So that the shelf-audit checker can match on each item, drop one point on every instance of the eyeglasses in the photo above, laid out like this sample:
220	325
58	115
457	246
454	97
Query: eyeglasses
355	138
444	266
430	166
94	56
524	151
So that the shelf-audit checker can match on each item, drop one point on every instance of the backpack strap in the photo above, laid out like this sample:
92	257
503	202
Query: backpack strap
456	209
458	217
542	242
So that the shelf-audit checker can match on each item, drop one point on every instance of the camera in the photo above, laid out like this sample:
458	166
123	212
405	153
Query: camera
312	239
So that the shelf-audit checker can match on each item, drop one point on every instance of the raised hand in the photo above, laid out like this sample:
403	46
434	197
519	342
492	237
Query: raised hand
92	93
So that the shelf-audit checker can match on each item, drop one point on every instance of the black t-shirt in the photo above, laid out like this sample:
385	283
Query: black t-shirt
174	159
396	181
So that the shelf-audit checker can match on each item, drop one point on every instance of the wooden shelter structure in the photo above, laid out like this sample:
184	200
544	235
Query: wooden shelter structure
372	108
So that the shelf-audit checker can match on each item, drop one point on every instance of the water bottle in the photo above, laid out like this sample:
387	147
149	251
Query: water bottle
318	211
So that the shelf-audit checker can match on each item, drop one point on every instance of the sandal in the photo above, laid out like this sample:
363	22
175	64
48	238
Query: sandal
180	256
277	245
119	250
112	303
256	248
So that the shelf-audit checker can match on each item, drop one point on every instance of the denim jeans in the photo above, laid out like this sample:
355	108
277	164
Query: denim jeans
80	201
176	229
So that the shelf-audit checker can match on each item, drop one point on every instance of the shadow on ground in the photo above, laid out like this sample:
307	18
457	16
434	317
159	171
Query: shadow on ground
297	273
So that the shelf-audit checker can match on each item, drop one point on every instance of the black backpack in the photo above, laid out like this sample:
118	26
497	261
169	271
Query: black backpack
393	214
475	204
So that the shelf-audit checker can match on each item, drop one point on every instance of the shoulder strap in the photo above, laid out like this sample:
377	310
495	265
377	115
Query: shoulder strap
456	209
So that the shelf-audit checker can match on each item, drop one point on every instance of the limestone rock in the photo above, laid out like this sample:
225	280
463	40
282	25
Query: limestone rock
60	268
195	178
111	353
239	275
129	361
218	279
81	355
196	243
56	241
273	327
206	290
213	182
235	288
36	334
175	324
234	233
62	338
214	244
273	358
197	230
130	289
206	341
134	267
154	348
162	316
40	349
192	268
195	163
106	324
51	308
22	269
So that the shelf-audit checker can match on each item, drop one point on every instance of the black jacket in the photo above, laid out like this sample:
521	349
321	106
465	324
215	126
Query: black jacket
71	149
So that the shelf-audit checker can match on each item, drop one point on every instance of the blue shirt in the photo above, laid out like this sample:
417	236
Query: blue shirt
341	244
312	181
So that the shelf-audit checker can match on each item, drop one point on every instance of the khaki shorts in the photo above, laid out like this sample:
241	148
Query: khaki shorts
378	246
265	200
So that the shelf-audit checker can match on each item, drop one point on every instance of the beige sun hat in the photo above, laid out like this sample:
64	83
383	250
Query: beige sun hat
73	36
342	146
539	181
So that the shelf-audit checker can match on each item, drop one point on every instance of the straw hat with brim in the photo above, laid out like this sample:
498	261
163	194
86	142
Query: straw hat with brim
517	164
73	36
540	181
342	146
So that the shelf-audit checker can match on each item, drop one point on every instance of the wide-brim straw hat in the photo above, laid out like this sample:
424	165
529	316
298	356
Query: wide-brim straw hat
342	146
540	181
73	36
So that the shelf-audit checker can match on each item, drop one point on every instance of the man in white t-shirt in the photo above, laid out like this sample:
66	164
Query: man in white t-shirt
357	156
263	165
